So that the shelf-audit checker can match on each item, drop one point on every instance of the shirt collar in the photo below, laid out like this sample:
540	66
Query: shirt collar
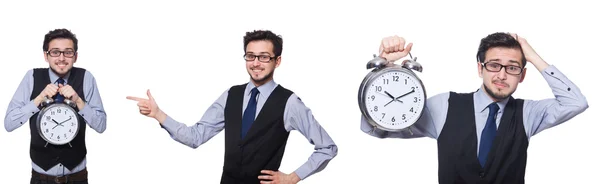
54	77
263	90
482	100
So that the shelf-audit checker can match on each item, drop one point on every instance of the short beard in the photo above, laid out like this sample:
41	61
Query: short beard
494	95
264	79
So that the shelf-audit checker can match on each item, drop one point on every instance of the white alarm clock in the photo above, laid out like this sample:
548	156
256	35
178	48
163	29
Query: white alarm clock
57	122
391	97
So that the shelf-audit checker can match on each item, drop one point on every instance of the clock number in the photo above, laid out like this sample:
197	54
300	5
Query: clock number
378	88
58	137
411	109
51	134
47	130
47	118
396	78
72	124
65	135
386	81
44	123
383	115
413	88
58	110
415	100
405	81
375	109
70	131
52	113
393	119
372	97
65	112
403	116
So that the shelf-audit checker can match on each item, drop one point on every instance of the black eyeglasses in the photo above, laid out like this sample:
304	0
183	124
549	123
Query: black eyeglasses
56	53
496	67
261	58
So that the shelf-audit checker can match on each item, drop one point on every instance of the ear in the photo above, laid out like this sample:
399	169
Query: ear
46	57
277	61
75	57
523	75
480	69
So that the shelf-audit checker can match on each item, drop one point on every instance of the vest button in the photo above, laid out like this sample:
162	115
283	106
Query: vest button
481	174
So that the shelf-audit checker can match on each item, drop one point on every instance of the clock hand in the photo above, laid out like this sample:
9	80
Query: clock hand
388	94
55	122
405	94
65	121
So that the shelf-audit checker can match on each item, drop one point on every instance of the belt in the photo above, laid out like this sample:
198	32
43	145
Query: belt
78	176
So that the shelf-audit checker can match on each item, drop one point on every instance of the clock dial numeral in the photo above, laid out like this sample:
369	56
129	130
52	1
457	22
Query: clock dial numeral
48	118
415	100
382	115
69	131
395	78
58	137
378	88
403	116
58	110
411	109
47	130
52	113
386	81
375	109
394	119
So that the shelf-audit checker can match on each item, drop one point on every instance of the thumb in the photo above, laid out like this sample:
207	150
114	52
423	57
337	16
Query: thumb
60	85
408	48
149	95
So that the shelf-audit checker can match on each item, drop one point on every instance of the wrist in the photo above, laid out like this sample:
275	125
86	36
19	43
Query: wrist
160	116
80	103
295	177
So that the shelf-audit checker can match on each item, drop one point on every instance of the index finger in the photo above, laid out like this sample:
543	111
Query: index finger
269	172
135	98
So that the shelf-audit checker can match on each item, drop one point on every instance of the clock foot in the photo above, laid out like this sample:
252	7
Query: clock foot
46	144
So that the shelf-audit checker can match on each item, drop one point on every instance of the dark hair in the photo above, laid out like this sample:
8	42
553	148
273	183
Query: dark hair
499	40
265	35
59	33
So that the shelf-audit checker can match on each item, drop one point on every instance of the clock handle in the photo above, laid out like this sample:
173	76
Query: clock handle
70	103
377	62
47	101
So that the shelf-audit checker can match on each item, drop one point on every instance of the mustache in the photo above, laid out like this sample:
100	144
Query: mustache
500	82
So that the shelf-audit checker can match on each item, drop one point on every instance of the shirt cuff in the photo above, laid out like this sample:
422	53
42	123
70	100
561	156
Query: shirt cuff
30	108
169	124
86	112
303	171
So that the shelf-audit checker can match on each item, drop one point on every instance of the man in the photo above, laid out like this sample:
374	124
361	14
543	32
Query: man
57	163
257	118
483	136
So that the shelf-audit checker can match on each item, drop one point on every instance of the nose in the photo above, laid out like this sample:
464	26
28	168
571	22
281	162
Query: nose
255	62
502	73
61	57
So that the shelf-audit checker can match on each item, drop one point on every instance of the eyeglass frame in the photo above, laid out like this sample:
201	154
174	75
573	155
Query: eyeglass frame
501	67
258	56
61	52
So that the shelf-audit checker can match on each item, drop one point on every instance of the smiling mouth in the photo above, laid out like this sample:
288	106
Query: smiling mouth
500	84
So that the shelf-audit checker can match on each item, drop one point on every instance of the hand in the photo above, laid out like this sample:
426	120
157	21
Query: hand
277	177
49	91
148	107
392	48
57	124
530	54
69	93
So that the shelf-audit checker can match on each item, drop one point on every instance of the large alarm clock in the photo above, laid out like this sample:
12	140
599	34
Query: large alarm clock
57	122
392	97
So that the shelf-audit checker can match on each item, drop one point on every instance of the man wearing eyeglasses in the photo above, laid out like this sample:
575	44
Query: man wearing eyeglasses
257	118
57	163
483	136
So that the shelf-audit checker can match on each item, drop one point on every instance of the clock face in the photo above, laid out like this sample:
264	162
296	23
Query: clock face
394	99
58	124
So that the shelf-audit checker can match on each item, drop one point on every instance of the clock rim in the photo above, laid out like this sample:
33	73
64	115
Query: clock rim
41	115
369	78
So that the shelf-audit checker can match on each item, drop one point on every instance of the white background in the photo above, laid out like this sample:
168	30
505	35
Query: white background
187	54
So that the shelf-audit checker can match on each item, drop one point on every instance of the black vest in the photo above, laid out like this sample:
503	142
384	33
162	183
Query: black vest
51	155
457	145
264	144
